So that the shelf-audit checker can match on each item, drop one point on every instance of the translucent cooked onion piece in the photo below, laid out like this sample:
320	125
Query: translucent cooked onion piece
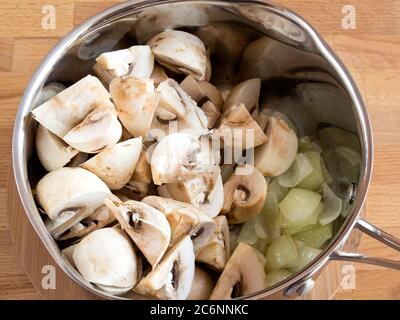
277	189
300	169
270	218
315	178
281	253
247	233
310	222
306	255
332	205
299	205
305	144
276	276
315	237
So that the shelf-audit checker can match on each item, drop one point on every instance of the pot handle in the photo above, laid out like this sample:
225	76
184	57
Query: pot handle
377	234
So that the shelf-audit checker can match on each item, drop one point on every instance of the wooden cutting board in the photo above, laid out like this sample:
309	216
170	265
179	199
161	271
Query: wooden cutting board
371	52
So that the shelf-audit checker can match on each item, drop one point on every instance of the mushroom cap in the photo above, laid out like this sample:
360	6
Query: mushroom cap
180	52
136	102
184	219
100	129
246	92
116	164
278	153
239	130
146	226
217	251
107	257
173	277
244	195
176	105
70	188
68	108
202	285
177	157
52	152
244	270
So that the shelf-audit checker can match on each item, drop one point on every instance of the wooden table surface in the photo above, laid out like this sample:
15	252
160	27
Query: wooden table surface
371	51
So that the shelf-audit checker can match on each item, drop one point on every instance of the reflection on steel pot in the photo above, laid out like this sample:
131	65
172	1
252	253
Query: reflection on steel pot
305	81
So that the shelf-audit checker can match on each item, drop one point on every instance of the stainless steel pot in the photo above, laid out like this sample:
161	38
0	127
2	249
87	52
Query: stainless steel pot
294	59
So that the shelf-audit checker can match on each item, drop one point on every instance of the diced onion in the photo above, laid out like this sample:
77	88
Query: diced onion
315	237
281	253
332	205
315	178
300	169
276	277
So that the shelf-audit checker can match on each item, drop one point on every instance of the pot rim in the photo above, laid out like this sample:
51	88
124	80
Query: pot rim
43	71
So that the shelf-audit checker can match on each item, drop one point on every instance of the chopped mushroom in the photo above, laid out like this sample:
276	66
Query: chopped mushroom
180	52
115	165
243	275
217	251
246	92
136	102
52	152
278	153
158	74
68	108
99	130
173	276
239	130
202	285
146	226
184	219
69	195
244	195
107	258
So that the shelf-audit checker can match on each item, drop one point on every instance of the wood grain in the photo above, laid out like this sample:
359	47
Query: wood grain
371	52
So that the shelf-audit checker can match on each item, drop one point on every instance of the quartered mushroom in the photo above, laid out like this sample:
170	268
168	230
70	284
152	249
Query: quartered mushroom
136	102
176	105
173	276
99	130
50	91
147	227
136	61
179	157
69	195
52	151
244	195
68	108
180	52
101	218
246	92
107	259
217	251
202	285
116	164
243	274
276	155
184	219
239	130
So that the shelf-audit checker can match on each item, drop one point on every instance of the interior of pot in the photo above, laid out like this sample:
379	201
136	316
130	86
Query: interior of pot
297	78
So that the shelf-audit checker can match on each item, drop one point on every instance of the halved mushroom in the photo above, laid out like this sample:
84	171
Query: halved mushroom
107	259
158	74
68	108
243	274
136	61
244	195
202	285
173	277
136	102
217	251
116	164
69	195
239	130
101	218
180	52
246	92
176	105
179	157
184	219
53	153
201	91
278	153
147	227
99	130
